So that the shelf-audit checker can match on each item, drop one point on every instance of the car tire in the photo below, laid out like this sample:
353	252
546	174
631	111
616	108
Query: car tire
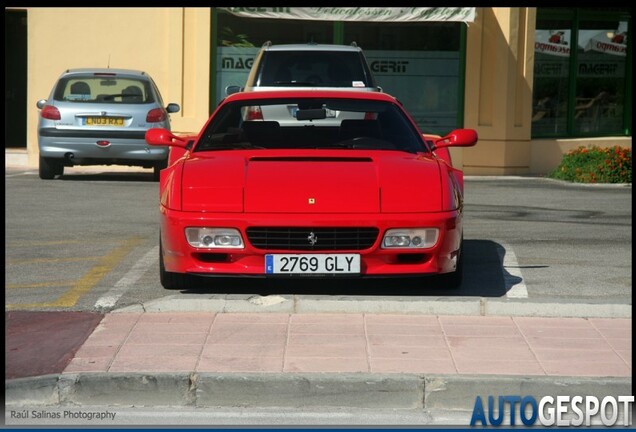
454	279
169	280
157	169
49	168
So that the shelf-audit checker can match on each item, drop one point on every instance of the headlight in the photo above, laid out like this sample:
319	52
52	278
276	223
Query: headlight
416	238
214	238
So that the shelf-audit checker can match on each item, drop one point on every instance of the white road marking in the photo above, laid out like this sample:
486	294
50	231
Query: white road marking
515	285
110	298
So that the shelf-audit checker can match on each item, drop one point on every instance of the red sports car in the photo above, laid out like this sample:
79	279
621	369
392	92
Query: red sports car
342	184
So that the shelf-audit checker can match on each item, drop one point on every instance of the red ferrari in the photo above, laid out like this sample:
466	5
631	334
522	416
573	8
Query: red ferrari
310	183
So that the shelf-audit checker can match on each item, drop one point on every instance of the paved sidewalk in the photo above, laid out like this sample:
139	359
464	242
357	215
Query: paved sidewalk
318	360
375	343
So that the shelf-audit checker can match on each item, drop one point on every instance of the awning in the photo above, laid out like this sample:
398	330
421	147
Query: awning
374	14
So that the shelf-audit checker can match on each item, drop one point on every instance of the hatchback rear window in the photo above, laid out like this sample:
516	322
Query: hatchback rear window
103	89
315	68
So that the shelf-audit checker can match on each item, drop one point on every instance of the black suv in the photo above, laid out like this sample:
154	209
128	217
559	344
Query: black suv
308	66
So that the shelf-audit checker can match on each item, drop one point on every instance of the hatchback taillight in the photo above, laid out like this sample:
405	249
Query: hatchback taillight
51	113
156	115
254	113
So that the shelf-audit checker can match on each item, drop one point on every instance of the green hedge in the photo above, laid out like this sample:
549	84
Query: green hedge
595	165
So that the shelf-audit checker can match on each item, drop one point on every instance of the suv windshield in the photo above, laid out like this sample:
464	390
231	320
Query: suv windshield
311	123
314	68
103	89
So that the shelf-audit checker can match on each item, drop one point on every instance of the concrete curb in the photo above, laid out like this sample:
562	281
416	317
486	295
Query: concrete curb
476	306
286	390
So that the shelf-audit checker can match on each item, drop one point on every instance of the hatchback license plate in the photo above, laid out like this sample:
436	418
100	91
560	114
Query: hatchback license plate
104	121
312	264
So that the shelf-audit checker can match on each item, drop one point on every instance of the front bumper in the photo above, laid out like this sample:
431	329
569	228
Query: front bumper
180	257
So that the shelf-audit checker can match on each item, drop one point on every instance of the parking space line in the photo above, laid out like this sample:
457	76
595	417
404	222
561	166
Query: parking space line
30	244
40	285
515	285
88	282
52	260
110	298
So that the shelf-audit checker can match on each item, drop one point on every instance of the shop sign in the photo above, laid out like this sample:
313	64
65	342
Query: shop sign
552	42
375	14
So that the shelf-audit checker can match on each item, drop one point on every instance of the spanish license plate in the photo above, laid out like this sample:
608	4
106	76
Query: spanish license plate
312	264
105	121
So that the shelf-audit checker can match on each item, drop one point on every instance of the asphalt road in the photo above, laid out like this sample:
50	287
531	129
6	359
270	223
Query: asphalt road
89	242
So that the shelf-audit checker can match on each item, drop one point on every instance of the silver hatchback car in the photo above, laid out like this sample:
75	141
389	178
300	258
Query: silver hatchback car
100	117
308	66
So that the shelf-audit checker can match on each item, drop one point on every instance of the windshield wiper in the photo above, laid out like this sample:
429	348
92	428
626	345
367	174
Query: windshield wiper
296	83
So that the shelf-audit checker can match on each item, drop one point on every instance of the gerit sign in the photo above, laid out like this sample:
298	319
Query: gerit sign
551	411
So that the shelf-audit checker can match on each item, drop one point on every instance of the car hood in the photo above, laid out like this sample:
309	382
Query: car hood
311	182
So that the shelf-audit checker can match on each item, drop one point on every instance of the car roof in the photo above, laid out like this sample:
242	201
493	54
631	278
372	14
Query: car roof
312	47
336	94
84	71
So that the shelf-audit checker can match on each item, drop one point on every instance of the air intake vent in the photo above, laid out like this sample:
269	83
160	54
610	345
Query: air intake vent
312	239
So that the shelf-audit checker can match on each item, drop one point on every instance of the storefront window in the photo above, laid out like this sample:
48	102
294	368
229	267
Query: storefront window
581	76
551	71
419	64
239	39
600	84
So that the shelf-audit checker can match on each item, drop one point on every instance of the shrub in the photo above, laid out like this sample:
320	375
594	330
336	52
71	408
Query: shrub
595	165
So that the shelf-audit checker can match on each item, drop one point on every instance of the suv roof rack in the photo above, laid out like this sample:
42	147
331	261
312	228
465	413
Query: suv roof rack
267	43
354	44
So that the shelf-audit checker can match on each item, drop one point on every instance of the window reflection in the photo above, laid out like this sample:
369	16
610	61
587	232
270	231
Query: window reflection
551	71
600	77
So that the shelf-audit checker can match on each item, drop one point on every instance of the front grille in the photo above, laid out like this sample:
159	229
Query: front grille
300	239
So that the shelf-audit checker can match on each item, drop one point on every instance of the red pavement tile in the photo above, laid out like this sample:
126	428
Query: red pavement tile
560	323
326	327
417	320
403	329
159	350
40	343
325	351
567	343
587	368
325	364
175	317
392	365
408	353
355	341
490	348
88	364
243	350
469	365
355	319
154	364
626	355
149	337
239	364
408	340
252	318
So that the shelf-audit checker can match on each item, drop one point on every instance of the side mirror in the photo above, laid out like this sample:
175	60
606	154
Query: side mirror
40	104
457	138
173	108
231	89
163	137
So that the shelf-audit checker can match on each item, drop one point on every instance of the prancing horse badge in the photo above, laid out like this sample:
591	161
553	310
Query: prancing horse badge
312	200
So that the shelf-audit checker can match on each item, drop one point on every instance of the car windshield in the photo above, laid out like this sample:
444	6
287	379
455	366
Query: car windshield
105	89
313	68
310	123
